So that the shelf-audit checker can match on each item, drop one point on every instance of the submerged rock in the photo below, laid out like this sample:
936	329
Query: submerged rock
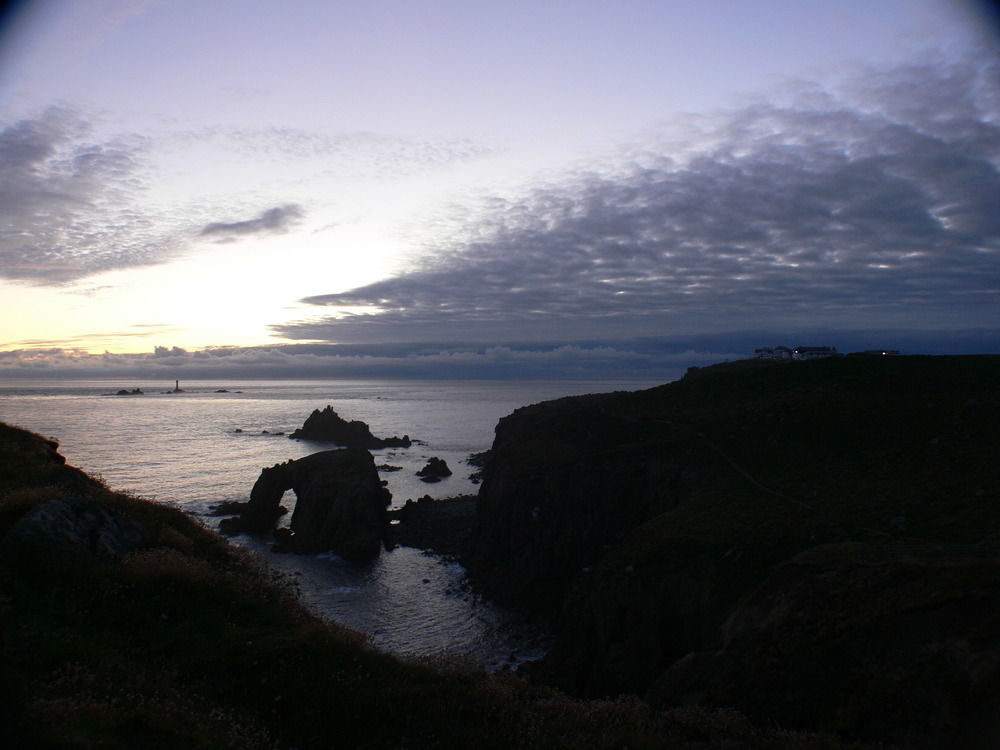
340	503
328	426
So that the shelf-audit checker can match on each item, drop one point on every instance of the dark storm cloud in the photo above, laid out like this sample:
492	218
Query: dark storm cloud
272	221
876	205
67	205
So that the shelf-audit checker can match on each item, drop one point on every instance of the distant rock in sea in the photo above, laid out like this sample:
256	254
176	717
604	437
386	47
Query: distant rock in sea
328	426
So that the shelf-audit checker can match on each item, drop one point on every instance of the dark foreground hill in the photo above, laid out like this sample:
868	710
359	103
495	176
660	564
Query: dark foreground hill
126	624
814	543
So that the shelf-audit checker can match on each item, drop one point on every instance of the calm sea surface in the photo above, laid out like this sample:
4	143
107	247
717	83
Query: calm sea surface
184	449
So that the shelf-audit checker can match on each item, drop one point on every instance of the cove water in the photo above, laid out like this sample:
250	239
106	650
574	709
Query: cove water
201	447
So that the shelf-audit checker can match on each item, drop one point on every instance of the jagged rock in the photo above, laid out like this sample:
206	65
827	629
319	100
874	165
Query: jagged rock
70	526
328	426
435	470
340	503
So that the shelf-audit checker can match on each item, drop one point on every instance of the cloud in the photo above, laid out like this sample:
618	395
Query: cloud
654	359
92	340
68	203
272	221
73	204
358	154
869	204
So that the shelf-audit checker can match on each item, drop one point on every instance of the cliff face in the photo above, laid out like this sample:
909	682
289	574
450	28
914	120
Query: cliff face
565	481
801	540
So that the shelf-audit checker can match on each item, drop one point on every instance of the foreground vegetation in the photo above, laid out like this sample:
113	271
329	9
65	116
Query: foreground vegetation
186	642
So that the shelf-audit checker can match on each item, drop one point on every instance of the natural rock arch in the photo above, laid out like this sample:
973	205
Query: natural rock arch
340	503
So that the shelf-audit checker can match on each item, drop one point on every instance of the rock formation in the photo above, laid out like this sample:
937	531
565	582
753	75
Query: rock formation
435	470
340	503
555	494
443	526
328	426
813	543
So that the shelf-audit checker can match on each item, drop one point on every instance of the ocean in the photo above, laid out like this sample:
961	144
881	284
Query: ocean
208	444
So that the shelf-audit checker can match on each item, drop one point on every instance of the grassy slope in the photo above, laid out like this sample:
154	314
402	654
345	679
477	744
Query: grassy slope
188	643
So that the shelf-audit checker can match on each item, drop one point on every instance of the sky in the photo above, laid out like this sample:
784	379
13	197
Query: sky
195	188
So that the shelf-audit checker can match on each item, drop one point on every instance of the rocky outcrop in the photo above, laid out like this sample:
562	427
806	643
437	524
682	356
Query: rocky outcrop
435	470
811	543
70	527
442	526
328	426
564	480
340	504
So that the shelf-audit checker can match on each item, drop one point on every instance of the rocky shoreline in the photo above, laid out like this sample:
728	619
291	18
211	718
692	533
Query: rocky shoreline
815	545
754	535
127	624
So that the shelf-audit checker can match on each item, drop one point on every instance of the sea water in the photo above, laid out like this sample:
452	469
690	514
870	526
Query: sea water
208	444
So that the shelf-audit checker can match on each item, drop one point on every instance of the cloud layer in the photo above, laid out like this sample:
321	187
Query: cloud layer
68	202
872	204
74	204
659	359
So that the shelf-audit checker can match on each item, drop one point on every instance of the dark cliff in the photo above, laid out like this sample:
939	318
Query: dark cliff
815	543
